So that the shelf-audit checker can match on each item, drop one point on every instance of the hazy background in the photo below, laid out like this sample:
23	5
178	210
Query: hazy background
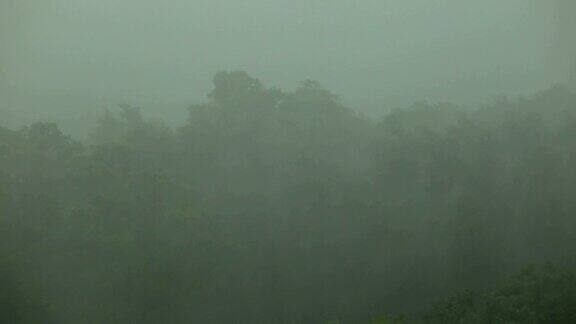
265	206
66	60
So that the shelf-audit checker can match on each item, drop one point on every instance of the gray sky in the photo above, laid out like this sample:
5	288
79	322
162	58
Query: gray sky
80	56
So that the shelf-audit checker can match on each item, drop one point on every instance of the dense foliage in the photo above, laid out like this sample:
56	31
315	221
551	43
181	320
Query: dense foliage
269	206
546	295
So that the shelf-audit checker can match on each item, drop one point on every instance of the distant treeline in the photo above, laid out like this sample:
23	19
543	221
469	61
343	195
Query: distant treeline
270	206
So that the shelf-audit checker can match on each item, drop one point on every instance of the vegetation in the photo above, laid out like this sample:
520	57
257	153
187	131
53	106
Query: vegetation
272	206
546	295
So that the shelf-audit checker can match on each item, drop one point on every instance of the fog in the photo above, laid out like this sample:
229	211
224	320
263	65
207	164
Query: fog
74	58
295	162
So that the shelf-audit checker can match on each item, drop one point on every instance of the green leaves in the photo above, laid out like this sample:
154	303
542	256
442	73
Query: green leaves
543	295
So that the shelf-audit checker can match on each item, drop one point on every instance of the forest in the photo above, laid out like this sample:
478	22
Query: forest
275	206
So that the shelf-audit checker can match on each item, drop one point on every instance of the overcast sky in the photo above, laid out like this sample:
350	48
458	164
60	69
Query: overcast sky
78	56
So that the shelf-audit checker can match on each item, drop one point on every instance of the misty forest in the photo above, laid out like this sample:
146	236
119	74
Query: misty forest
256	198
